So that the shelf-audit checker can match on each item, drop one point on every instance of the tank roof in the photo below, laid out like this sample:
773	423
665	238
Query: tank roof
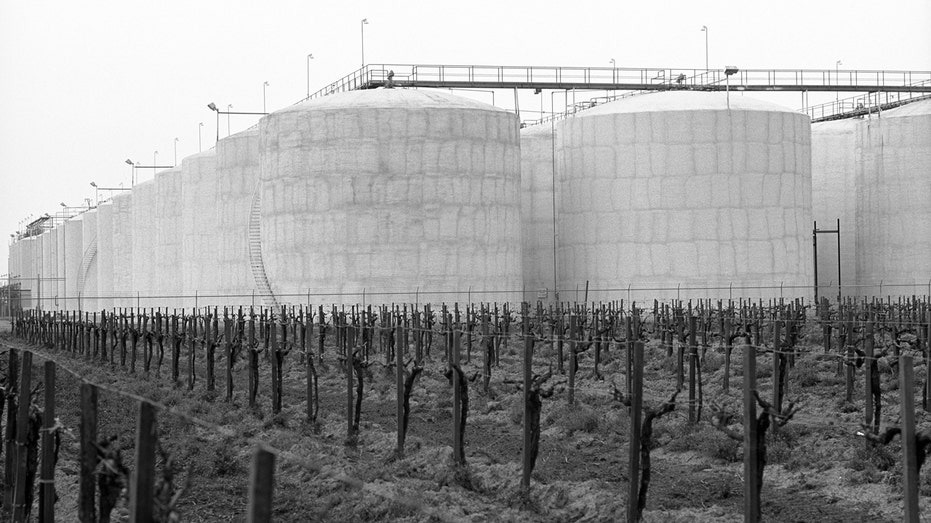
845	125
385	98
921	108
683	101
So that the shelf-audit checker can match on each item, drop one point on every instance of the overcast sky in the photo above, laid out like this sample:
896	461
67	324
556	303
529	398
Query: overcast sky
86	85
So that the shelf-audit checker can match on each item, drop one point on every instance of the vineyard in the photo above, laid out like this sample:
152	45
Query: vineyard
683	411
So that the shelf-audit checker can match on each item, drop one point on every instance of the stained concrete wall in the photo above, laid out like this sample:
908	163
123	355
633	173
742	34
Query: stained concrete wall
834	197
104	255
74	254
48	284
123	250
676	190
893	162
238	172
143	251
88	272
14	263
388	191
198	228
168	234
537	156
28	272
62	265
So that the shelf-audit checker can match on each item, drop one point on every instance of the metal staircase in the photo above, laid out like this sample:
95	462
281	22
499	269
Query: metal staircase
255	249
89	256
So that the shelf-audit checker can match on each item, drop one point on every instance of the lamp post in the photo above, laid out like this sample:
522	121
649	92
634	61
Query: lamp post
96	193
155	158
310	57
176	151
728	71
704	29
228	107
132	175
837	65
200	143
365	22
613	71
263	96
213	107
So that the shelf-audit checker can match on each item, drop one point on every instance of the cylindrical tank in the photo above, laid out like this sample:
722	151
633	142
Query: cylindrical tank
685	194
87	277
61	253
833	198
29	273
47	281
894	200
391	191
167	238
74	254
14	269
144	253
538	232
238	172
105	255
198	228
123	250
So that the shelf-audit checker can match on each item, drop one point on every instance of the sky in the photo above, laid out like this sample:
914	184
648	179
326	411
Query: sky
86	85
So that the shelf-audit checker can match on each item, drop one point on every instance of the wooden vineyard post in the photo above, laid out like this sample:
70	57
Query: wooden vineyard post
628	326
210	336
47	474
925	327
693	361
261	487
573	322
527	463
751	466
192	348
228	353
22	432
868	388
399	363
87	512
728	347
10	429
273	349
636	420
909	444
458	451
349	397
143	478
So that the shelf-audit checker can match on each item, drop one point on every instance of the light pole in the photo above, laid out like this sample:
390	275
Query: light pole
365	22
613	71
263	96
309	58
837	65
213	107
96	194
176	151
228	107
154	159
728	71
704	29
132	174
200	143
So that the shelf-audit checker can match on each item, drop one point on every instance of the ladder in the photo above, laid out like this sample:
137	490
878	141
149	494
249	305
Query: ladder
255	249
89	256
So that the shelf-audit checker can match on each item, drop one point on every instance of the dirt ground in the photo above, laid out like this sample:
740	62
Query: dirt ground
818	468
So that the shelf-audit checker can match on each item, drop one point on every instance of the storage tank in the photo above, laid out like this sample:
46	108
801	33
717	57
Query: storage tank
894	200
238	172
390	191
538	233
61	253
28	272
48	289
123	250
198	228
87	276
684	194
74	255
144	253
105	255
834	197
167	218
14	267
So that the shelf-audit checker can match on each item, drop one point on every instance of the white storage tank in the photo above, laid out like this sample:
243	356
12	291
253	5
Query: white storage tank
238	172
537	156
61	253
834	197
894	201
144	252
122	287
48	285
74	254
167	217
15	267
87	276
389	191
105	255
679	194
198	229
28	272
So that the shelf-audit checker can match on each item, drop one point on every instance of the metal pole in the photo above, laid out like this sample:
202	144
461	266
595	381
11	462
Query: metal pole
365	21
309	58
176	151
263	96
705	29
555	262
839	293
200	142
814	243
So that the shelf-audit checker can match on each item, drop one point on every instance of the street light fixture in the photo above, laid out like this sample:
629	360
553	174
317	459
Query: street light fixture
132	174
309	58
263	96
213	107
228	107
365	22
704	29
176	151
200	143
728	71
837	80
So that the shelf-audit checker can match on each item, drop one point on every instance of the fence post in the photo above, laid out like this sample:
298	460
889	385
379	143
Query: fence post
47	476
22	432
87	512
909	444
10	433
143	479
528	377
751	467
636	420
261	487
399	363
